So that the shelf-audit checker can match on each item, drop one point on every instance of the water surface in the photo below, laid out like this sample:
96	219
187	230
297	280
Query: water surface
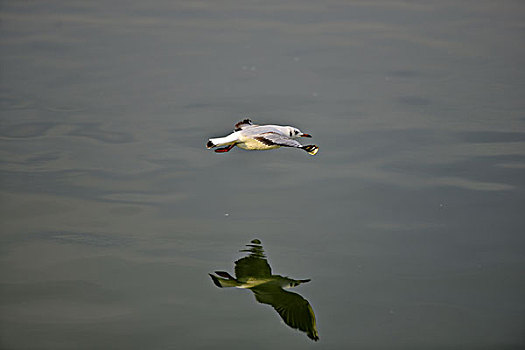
409	221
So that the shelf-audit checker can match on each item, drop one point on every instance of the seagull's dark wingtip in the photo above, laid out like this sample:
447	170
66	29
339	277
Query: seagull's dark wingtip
314	337
311	149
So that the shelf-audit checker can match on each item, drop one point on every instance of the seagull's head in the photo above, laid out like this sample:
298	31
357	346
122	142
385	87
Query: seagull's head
294	132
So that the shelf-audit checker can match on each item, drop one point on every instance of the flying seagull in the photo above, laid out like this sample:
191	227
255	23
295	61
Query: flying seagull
250	136
253	272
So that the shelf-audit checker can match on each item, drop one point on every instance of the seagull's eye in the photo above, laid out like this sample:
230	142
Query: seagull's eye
296	132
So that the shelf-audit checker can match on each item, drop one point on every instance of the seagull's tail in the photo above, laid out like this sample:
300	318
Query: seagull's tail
224	282
222	141
311	149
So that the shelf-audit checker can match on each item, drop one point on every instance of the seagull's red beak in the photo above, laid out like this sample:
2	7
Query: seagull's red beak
305	135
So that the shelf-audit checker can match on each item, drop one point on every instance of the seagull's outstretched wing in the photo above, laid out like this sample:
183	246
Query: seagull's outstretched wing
295	310
253	267
242	124
273	138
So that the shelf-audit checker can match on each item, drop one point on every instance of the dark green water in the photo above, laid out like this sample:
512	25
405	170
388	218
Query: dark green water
409	221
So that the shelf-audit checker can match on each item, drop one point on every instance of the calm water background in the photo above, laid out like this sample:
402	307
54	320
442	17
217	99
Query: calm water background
409	221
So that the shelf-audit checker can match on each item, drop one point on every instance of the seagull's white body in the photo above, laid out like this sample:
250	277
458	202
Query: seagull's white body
249	136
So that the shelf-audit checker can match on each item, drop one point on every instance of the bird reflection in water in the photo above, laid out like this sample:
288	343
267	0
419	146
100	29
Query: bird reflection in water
253	272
